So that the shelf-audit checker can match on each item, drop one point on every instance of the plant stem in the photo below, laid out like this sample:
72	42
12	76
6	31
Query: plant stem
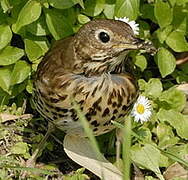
126	149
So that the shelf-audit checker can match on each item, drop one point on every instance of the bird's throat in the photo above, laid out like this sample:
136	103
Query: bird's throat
106	65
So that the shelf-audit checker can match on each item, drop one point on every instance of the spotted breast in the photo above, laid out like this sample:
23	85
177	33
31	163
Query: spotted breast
88	68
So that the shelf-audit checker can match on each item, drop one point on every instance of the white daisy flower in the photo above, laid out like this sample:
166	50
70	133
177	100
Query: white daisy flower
142	109
133	24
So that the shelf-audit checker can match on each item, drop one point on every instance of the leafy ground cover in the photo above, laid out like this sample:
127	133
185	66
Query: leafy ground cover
29	27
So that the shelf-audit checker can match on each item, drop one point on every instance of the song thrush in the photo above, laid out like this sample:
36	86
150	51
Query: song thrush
88	68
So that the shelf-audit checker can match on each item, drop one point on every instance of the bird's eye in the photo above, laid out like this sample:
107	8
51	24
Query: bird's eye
104	37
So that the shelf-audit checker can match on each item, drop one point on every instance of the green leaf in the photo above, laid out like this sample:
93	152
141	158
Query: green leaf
142	84
5	5
5	77
175	98
127	8
39	27
15	2
93	7
180	151
20	72
176	120
64	4
33	50
141	62
28	14
164	161
144	30
19	148
147	11
18	88
10	55
42	43
162	34
181	2
176	40
166	136
172	3
5	35
58	25
166	62
153	88
180	19
163	13
147	157
144	133
109	9
83	19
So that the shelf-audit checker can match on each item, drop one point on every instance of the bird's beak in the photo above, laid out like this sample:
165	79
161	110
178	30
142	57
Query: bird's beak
137	43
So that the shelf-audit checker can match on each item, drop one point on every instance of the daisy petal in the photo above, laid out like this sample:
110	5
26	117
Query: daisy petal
133	24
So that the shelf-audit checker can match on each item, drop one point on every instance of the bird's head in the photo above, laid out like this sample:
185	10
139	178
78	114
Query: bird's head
102	44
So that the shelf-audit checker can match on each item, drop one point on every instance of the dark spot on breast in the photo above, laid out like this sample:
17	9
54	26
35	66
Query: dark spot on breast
106	112
114	93
74	116
62	97
75	119
87	94
79	90
88	116
53	100
113	118
106	130
94	91
62	115
120	99
107	123
101	85
96	104
81	102
59	109
109	100
66	84
123	92
95	123
72	110
121	115
114	104
55	117
54	113
115	111
95	129
92	112
124	107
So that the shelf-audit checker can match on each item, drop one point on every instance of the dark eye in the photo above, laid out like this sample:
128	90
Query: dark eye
104	37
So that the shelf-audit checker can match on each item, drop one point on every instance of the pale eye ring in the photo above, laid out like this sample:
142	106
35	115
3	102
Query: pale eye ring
104	37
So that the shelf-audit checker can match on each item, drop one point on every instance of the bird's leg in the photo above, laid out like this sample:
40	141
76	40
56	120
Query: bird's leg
32	160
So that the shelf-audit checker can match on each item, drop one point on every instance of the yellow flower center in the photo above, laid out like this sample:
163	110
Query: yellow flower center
140	108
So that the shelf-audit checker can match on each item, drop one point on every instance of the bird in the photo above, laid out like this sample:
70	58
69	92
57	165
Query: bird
88	68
